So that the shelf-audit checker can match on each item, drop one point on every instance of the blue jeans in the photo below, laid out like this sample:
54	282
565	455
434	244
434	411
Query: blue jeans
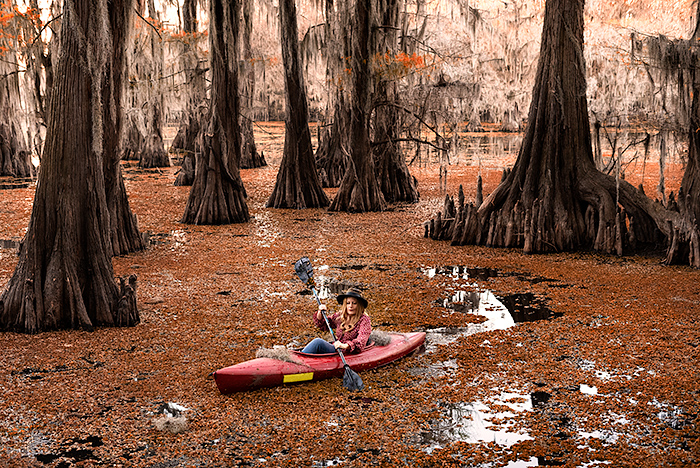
318	346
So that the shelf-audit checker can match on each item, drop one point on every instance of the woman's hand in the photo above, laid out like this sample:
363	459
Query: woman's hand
339	345
321	307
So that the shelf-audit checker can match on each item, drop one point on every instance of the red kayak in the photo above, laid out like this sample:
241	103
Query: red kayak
268	372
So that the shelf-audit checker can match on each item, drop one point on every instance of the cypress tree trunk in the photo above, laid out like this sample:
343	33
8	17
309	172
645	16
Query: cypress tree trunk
14	156
359	190
685	238
39	73
132	139
332	154
124	230
153	152
188	143
554	199
297	184
15	160
250	158
217	195
64	276
395	180
187	139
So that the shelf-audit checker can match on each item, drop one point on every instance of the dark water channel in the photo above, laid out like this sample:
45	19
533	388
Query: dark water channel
72	451
523	307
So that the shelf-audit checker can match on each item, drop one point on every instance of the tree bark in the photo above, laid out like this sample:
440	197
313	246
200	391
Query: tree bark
123	226
15	160
14	156
332	154
217	195
685	244
250	158
188	138
395	180
359	190
132	139
64	276
297	184
189	16
554	199
153	152
189	146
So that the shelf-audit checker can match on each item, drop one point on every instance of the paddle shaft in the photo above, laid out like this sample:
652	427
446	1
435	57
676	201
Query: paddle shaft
329	326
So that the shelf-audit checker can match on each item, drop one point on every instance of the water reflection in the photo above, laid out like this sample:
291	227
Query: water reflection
8	248
482	303
477	422
522	307
462	272
464	296
179	239
328	288
488	148
266	229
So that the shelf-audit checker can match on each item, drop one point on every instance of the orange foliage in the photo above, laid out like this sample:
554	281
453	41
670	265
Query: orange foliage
396	65
410	61
10	16
5	17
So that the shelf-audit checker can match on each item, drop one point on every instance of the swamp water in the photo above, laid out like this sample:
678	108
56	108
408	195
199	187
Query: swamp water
479	421
496	418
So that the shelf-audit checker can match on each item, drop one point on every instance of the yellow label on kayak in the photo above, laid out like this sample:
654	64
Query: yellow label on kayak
289	378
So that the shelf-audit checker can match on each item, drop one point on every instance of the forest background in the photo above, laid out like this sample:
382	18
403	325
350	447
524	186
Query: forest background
481	55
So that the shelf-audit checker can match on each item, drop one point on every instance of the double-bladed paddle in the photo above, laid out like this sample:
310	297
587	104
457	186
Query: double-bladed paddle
305	272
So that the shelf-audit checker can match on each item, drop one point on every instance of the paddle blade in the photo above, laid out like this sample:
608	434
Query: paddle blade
304	270
352	381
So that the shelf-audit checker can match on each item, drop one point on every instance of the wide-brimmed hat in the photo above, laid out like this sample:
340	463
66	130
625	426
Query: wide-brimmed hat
353	292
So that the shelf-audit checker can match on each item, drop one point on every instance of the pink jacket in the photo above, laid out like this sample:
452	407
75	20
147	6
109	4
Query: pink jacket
356	338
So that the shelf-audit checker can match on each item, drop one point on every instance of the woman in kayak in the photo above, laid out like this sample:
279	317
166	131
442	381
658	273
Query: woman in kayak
351	324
